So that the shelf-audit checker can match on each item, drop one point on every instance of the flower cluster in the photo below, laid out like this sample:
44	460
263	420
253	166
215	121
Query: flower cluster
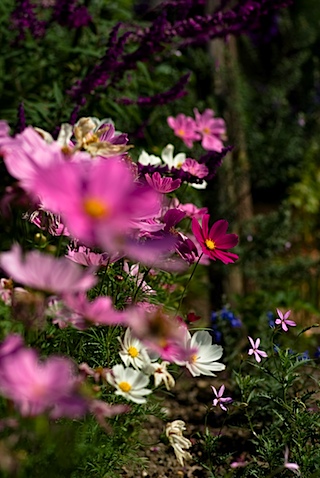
205	127
106	233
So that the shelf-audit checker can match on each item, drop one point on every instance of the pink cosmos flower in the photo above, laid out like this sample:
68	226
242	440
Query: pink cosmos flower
99	311
158	331
220	400
185	128
38	387
100	201
193	211
23	153
102	410
85	257
214	241
255	350
196	169
212	130
162	184
283	320
45	272
62	316
10	345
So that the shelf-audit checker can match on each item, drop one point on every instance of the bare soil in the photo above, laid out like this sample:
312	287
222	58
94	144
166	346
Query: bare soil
191	401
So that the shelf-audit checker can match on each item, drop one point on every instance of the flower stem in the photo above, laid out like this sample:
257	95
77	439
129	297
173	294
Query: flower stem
186	286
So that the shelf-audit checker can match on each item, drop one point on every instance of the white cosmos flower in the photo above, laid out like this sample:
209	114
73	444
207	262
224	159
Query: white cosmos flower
160	374
203	185
148	159
170	160
203	354
133	352
129	383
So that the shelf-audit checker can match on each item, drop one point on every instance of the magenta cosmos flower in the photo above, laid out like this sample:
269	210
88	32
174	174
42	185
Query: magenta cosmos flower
100	201
185	128
214	241
212	130
162	184
283	320
45	272
38	387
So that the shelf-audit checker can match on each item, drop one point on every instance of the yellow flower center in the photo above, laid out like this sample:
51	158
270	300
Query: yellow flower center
95	208
206	130
133	352
181	132
193	358
210	244
125	387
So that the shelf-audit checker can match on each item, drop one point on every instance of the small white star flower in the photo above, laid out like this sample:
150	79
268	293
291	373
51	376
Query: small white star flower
129	383
133	352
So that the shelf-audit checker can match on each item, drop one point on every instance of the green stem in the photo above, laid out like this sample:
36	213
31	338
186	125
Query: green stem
186	286
141	282
103	278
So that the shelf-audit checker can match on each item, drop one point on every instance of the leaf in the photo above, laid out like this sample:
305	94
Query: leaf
57	94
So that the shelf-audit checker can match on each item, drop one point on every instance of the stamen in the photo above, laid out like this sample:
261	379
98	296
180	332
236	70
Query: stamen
133	351
95	208
125	386
210	244
193	358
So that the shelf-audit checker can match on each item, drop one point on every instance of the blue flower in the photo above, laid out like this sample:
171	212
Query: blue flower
270	316
304	356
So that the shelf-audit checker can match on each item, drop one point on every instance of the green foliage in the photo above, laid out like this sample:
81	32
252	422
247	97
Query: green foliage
275	409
